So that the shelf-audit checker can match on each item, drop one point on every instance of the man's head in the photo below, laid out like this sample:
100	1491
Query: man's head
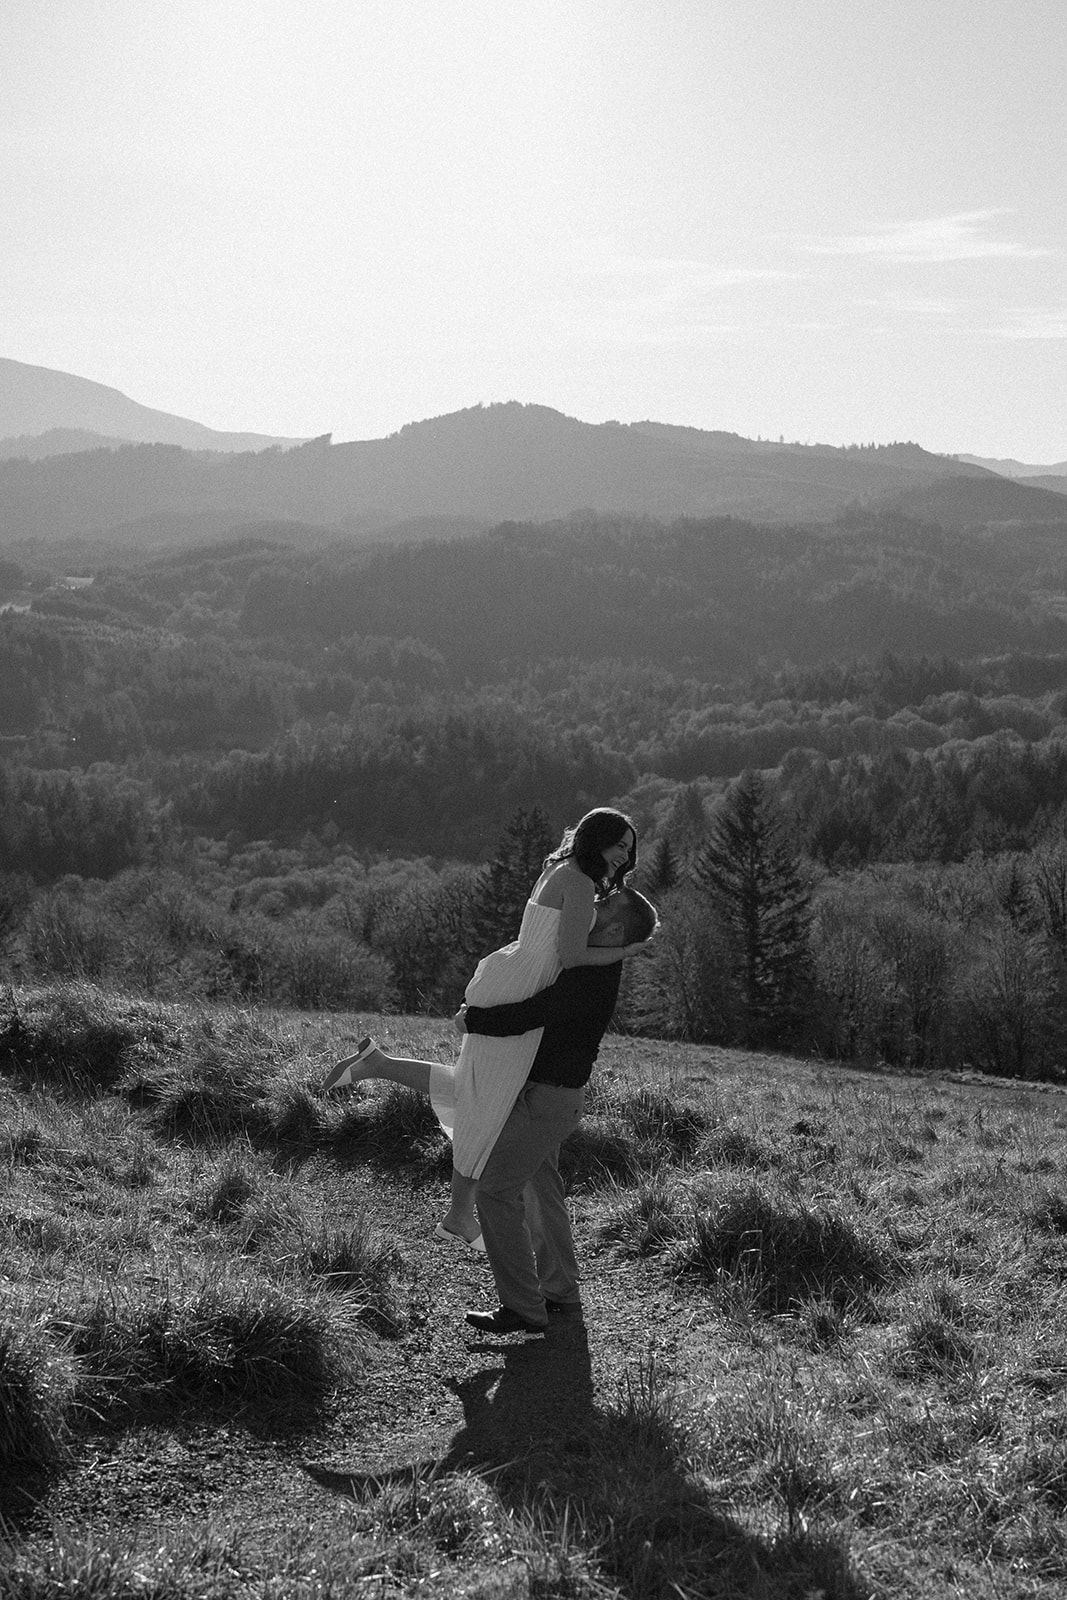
625	917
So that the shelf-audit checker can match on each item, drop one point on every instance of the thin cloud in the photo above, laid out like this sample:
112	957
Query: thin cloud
656	301
668	274
929	307
1033	322
965	236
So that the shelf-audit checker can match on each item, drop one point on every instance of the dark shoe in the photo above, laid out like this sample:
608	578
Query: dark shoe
564	1308
450	1237
503	1321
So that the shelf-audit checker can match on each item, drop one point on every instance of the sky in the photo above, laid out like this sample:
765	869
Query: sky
832	221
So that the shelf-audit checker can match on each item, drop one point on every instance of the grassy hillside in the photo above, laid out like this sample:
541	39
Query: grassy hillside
822	1351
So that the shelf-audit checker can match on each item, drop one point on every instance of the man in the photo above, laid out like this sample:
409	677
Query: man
521	1204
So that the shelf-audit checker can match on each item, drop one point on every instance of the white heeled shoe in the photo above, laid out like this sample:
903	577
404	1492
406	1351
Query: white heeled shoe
341	1075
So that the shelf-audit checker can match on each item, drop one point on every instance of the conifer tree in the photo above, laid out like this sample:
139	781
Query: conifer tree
506	881
659	871
750	870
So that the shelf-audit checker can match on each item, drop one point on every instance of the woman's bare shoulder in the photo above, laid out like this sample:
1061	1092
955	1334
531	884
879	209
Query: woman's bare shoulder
562	880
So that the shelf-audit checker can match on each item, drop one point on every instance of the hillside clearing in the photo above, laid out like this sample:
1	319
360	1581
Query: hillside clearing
822	1349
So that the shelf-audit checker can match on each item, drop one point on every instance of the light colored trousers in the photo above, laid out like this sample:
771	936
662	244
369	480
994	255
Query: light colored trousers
521	1206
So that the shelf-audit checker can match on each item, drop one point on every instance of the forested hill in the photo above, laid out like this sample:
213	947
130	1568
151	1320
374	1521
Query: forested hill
717	596
407	699
509	461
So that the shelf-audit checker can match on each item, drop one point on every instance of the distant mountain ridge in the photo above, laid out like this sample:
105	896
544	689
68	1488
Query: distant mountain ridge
1009	468
36	401
475	467
56	442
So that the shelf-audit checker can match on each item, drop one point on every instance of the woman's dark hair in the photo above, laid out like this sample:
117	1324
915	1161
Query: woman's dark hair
587	842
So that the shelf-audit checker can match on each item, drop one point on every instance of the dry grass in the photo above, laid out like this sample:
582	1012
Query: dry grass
849	1380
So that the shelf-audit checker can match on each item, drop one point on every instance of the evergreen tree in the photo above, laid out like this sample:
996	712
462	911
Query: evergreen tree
505	883
687	822
659	872
750	870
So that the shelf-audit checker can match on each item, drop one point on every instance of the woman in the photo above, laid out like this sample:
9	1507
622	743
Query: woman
474	1098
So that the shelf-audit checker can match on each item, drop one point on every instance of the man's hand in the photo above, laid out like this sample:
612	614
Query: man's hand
459	1021
639	948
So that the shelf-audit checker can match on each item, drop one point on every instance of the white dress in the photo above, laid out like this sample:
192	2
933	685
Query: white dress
473	1099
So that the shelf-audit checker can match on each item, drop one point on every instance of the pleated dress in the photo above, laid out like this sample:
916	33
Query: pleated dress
474	1098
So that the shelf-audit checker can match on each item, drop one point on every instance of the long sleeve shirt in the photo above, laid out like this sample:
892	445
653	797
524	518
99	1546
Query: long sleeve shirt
574	1011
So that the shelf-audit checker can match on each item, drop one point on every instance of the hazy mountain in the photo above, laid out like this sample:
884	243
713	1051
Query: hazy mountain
36	401
1015	469
56	442
507	462
965	502
1052	484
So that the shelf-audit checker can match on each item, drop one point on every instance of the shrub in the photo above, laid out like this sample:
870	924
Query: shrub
311	970
66	939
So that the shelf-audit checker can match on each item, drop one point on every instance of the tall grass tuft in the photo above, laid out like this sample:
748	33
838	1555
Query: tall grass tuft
218	1090
647	1220
294	1116
36	1388
80	1567
1049	1211
153	1352
600	1152
786	1251
228	1193
358	1261
395	1130
79	1037
672	1128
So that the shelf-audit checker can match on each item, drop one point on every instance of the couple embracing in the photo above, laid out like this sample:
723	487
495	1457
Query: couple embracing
534	1017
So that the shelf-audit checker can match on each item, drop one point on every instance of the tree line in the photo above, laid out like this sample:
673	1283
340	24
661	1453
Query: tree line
959	966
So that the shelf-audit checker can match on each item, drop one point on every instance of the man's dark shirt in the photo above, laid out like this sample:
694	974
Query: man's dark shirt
574	1012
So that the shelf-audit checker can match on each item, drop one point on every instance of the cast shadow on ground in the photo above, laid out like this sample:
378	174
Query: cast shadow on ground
617	1477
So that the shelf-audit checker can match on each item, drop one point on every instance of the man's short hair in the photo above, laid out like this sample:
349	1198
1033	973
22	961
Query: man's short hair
637	915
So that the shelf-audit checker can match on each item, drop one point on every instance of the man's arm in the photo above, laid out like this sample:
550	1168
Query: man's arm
563	1001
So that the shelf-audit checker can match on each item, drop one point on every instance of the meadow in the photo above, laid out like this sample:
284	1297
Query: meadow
823	1351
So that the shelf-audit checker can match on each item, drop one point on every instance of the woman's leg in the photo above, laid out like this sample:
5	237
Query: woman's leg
460	1218
376	1063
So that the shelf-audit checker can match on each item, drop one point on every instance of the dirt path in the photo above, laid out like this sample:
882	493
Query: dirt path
438	1396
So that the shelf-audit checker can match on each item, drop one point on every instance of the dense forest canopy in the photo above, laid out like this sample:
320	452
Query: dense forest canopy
407	698
276	766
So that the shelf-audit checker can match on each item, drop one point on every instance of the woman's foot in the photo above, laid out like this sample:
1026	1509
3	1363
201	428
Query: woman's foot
352	1068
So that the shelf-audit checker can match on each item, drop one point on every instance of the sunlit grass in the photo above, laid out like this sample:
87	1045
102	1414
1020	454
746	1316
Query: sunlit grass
857	1383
